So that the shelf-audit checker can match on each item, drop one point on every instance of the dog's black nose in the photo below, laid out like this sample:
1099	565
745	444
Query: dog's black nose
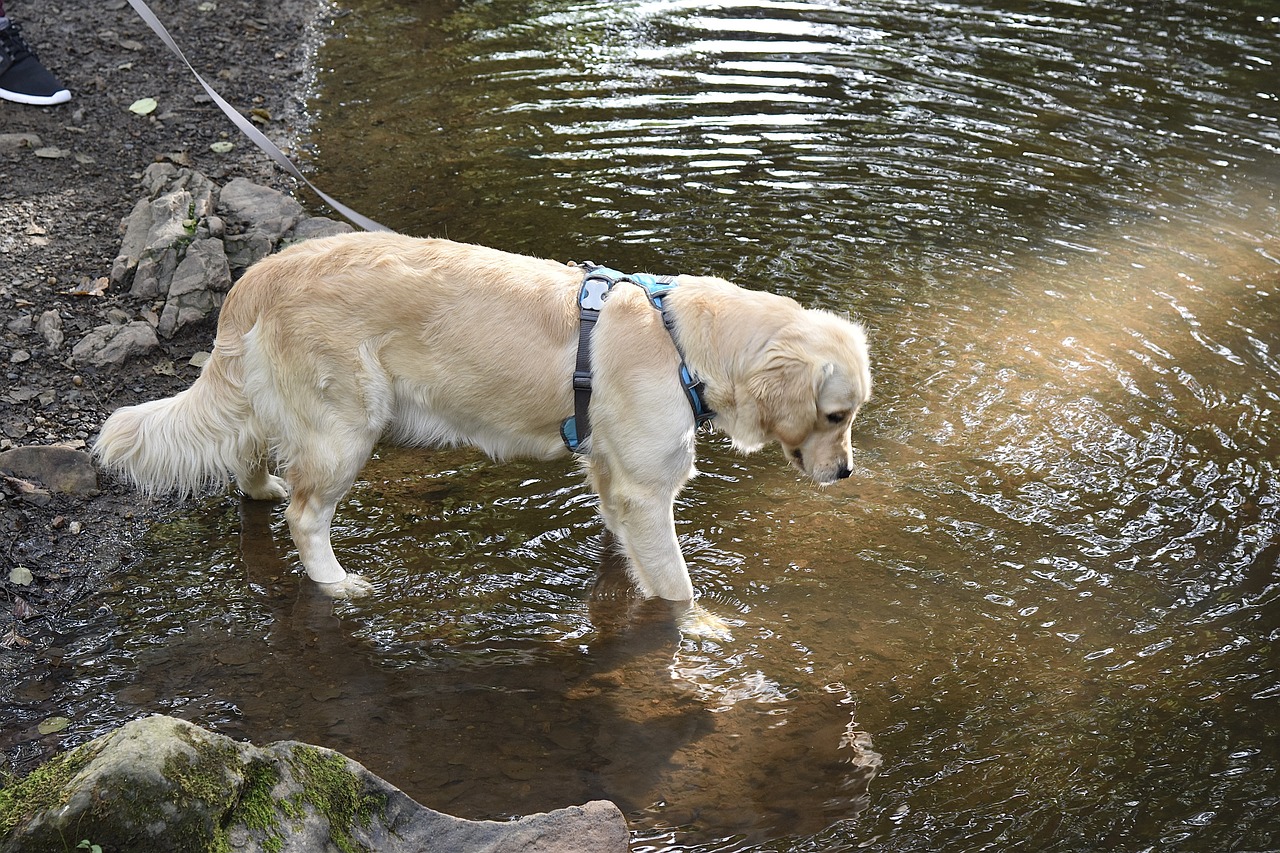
843	473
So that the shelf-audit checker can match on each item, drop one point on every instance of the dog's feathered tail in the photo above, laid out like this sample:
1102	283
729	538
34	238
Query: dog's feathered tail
190	441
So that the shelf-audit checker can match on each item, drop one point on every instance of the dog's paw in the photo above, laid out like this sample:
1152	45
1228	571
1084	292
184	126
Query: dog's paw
351	586
700	623
270	488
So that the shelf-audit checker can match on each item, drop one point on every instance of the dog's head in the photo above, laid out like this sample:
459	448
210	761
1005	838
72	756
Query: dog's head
809	384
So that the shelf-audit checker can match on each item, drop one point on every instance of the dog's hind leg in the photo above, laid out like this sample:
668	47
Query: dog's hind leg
319	479
258	483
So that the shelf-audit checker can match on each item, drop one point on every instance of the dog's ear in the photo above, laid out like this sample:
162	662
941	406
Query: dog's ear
785	389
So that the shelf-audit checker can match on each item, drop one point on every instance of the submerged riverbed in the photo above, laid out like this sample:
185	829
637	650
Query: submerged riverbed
1043	612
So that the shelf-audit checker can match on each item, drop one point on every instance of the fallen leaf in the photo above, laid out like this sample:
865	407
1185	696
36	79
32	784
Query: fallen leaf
22	609
178	158
97	287
52	725
14	640
142	107
222	147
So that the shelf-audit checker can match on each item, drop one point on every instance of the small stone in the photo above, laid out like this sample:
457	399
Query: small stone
14	141
50	328
19	356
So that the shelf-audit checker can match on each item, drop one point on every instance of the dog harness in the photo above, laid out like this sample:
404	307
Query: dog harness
595	290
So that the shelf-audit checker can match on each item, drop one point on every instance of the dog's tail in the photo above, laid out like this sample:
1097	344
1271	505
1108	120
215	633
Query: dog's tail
188	442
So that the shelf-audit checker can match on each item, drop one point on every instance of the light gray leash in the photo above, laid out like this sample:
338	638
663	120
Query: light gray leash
246	127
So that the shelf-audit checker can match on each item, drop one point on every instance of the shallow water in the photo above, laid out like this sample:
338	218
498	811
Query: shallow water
1042	615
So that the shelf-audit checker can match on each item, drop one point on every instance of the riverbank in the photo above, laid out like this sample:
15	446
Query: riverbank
68	176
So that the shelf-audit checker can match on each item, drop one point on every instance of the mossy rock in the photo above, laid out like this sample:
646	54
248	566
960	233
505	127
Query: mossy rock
162	784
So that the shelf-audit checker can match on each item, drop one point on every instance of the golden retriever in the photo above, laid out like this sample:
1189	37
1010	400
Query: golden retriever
335	343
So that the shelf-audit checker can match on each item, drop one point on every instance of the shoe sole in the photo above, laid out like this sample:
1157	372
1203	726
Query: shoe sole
59	97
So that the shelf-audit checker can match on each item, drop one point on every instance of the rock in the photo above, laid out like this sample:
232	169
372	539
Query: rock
197	287
160	784
114	344
317	226
61	469
268	211
154	227
50	328
14	141
28	492
245	250
164	177
264	216
153	273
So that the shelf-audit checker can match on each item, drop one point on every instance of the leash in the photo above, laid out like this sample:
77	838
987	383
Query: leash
596	285
246	127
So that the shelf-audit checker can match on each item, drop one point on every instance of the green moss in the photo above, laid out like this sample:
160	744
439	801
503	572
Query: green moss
337	793
44	789
257	810
203	777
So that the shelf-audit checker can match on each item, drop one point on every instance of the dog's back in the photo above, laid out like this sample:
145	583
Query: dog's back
344	339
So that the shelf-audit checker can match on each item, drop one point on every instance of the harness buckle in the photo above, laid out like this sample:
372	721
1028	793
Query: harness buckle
582	380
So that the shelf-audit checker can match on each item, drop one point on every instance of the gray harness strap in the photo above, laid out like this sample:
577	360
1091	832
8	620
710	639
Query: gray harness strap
595	289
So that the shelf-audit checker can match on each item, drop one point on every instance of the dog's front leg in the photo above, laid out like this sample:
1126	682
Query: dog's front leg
642	517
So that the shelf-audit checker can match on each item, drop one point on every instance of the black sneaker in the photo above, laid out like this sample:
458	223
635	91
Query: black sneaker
22	78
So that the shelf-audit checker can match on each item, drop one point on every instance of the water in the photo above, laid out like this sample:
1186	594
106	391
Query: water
1042	615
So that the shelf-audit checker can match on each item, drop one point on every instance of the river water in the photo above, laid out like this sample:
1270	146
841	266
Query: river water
1042	614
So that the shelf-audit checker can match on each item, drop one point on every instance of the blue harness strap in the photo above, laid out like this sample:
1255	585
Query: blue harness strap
597	284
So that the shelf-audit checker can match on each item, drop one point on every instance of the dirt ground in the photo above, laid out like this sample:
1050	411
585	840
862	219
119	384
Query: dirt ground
62	197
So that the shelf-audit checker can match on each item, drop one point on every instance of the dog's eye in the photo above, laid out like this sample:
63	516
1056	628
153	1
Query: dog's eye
838	417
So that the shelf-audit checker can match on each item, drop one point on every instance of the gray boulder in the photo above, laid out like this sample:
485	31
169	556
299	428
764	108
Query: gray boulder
265	216
162	784
61	469
154	227
316	226
197	287
114	344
